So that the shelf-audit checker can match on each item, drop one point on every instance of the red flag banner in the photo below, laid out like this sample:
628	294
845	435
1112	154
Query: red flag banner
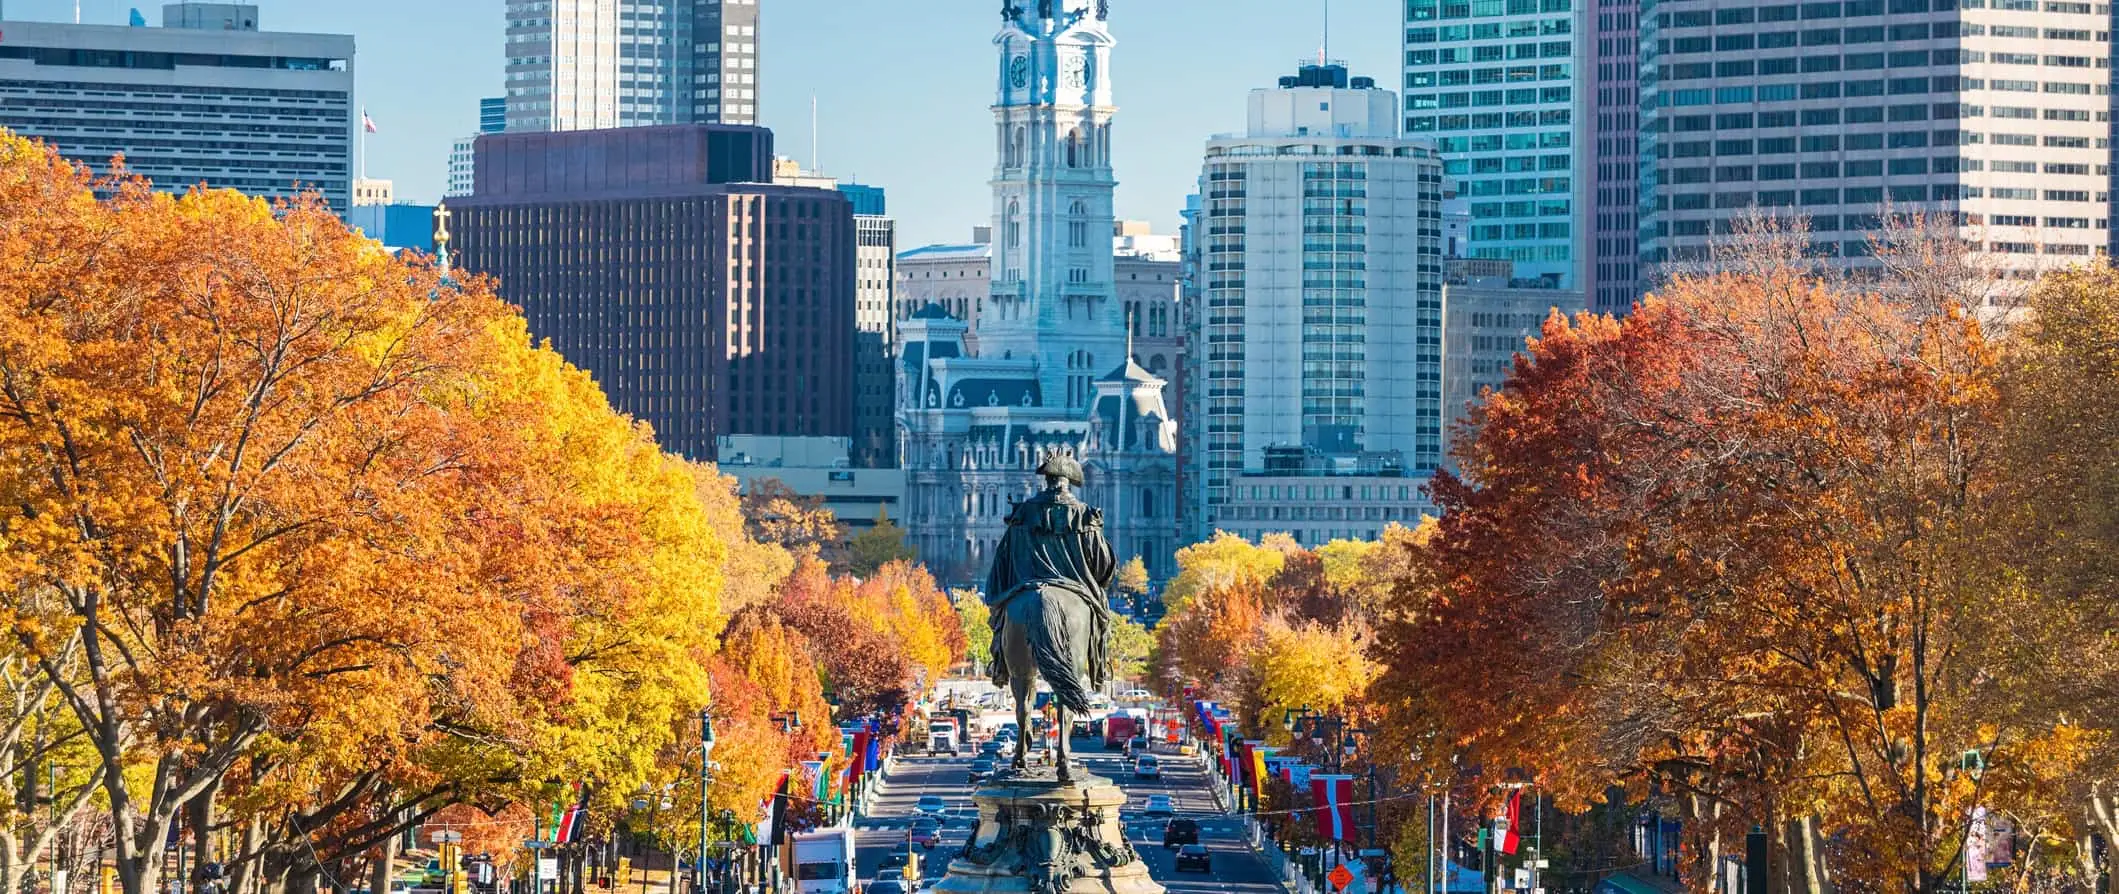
1333	797
1509	836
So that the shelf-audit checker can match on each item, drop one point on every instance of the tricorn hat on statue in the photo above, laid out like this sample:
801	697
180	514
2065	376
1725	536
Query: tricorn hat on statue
1060	465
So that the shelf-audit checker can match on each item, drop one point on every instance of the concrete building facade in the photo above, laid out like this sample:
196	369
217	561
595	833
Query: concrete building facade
1316	348
1486	316
589	64
206	98
1991	110
705	301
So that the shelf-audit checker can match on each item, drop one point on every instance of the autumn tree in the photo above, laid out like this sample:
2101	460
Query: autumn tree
1132	578
2057	520
776	514
1728	550
878	546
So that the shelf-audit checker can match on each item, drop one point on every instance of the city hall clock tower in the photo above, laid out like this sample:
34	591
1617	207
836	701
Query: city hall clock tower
1052	292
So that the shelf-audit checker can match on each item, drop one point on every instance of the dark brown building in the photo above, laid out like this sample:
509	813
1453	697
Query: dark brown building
703	304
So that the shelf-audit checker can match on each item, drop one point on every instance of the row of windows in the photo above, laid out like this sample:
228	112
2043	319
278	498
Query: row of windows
1858	142
1510	164
1488	98
1789	65
1862	115
1877	167
1429	10
1833	9
1875	195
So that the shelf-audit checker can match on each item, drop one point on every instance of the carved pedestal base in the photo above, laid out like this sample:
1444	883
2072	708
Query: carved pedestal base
1036	835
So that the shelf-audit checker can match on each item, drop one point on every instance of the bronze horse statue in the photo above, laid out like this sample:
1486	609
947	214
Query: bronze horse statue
1045	596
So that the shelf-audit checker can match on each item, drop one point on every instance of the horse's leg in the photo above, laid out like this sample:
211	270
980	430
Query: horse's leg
1023	685
1059	713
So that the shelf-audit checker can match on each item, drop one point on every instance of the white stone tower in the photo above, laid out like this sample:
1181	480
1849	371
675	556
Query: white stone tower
1052	291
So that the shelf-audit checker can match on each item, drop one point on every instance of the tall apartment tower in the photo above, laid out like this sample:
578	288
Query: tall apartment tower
705	301
1497	84
1993	110
590	64
206	98
1317	357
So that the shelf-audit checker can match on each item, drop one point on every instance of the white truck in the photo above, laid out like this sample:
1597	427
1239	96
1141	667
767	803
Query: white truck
942	737
824	861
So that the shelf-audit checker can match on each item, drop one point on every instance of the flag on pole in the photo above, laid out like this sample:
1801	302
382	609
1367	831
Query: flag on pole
1975	847
1333	795
569	828
1513	820
367	123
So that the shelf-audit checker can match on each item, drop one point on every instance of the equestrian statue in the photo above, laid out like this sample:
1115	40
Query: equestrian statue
1045	598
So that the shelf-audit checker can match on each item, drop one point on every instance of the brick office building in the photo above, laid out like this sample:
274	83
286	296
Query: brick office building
705	300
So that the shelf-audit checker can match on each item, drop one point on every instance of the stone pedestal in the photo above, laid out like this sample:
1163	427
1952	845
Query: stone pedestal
1036	835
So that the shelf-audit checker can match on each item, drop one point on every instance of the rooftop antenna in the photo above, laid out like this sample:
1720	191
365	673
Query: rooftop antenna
1324	50
813	133
77	12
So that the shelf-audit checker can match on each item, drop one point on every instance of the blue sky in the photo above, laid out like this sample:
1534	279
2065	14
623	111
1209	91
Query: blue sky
902	86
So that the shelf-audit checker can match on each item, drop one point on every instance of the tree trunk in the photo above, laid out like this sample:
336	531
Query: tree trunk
199	816
1805	857
383	869
2103	814
247	875
14	870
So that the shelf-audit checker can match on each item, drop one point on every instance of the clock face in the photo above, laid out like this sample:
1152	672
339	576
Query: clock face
1019	71
1076	70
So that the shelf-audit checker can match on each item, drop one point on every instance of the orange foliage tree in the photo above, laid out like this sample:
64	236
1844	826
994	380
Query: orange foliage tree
1728	552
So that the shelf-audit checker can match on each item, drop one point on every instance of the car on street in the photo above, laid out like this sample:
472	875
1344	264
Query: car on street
1194	857
899	857
990	747
1147	767
983	768
1136	695
931	805
433	876
1159	805
926	832
1180	832
886	885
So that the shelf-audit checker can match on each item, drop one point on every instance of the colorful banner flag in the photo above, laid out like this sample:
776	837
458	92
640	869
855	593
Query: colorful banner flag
1333	796
1258	765
1514	820
819	781
859	762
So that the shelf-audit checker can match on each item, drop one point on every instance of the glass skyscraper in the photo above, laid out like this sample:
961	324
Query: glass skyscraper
1495	84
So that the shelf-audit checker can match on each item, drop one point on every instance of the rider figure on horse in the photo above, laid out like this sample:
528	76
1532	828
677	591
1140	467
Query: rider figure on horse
1054	545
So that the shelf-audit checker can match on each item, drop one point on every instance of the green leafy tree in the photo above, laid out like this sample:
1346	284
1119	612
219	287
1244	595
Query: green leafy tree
1130	644
878	546
972	616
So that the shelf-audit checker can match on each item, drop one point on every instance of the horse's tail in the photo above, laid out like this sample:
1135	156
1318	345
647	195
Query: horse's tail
1055	661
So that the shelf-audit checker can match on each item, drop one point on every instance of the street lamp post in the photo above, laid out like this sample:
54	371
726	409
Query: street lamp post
706	775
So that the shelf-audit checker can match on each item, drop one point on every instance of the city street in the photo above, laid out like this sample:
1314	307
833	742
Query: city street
1237	870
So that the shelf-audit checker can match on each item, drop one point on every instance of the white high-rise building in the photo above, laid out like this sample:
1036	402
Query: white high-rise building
589	64
463	160
1316	348
206	98
1051	370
